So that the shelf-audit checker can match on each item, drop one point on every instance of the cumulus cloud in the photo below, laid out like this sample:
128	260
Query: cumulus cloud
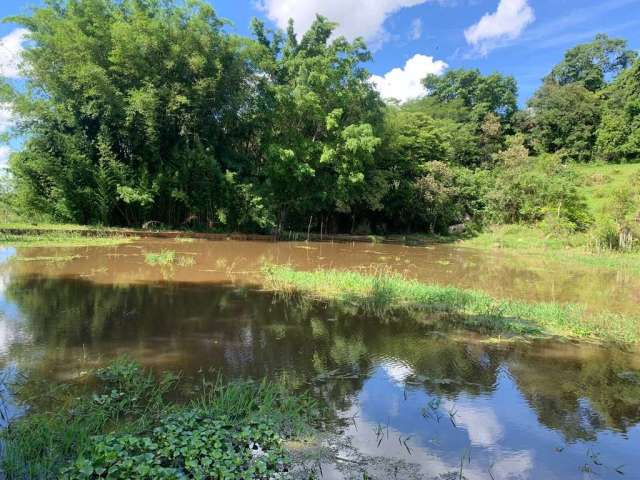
6	117
406	83
397	371
416	29
506	23
356	18
5	151
11	47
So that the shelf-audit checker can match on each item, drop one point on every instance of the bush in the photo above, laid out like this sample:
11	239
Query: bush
528	189
446	194
619	228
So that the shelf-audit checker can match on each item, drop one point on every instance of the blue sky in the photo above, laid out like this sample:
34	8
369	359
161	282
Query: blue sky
411	38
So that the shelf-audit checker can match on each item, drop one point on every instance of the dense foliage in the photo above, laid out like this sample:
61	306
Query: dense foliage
146	111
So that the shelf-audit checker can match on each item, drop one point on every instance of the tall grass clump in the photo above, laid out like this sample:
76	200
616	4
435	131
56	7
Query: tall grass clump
382	293
162	258
168	258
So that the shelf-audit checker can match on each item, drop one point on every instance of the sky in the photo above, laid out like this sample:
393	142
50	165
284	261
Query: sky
411	38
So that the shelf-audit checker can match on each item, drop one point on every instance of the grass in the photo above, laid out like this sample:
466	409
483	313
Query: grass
382	293
167	258
61	239
126	426
571	250
63	227
600	181
30	234
163	258
50	259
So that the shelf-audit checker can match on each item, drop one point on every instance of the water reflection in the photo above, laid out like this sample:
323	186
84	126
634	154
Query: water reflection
531	278
419	394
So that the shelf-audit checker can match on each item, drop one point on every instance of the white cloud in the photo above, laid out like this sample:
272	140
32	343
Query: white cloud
5	151
416	29
506	23
11	47
356	18
6	117
397	371
406	83
480	421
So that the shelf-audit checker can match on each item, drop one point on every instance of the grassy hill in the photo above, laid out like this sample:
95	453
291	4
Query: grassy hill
599	182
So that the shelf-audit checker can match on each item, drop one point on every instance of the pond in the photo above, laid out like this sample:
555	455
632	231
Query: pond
408	397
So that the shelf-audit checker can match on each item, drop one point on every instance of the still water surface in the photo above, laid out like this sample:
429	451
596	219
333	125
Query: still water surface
410	398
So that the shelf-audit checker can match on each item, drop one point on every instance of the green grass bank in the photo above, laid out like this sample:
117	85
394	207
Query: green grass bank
60	235
382	293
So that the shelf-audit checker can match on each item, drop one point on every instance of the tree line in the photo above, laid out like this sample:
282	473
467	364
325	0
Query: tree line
147	110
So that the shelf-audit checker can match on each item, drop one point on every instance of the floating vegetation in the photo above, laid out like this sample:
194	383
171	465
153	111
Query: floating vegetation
167	258
185	261
54	258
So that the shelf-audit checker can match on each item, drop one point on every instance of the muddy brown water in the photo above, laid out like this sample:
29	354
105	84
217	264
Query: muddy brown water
409	397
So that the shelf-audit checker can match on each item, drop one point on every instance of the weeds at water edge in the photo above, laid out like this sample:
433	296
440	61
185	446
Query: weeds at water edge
383	293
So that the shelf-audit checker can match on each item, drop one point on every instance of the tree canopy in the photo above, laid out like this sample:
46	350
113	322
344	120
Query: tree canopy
150	110
590	63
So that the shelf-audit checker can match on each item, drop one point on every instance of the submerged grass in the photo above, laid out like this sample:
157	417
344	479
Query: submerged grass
163	258
167	258
384	292
128	428
49	259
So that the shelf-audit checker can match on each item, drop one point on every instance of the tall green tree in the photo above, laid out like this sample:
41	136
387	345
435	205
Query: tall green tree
319	150
482	94
565	120
589	64
130	110
619	132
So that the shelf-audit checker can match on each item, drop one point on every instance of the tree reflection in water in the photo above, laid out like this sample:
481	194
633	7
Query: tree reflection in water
521	409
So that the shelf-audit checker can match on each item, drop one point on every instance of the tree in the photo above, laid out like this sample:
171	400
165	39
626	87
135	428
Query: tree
619	133
131	110
325	119
493	93
565	120
590	63
527	189
476	110
445	195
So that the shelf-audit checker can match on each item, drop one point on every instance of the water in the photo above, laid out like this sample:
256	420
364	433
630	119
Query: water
410	398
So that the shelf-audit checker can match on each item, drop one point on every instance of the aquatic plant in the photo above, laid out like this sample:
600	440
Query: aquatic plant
382	292
187	444
166	258
163	258
128	428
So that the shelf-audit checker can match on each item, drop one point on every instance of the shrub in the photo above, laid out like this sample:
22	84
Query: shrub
446	194
528	189
619	228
